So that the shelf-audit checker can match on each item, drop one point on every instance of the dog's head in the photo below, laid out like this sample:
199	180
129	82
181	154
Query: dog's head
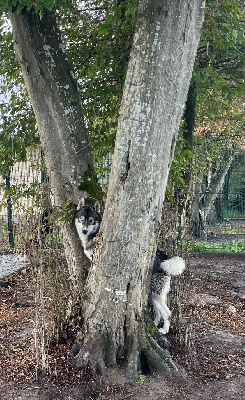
88	219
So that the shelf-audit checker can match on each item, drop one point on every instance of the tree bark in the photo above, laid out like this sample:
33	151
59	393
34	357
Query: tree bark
159	72
54	97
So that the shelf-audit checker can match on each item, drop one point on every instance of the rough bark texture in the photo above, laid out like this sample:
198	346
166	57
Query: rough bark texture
54	97
159	72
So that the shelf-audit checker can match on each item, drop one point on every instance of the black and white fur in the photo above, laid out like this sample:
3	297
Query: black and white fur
87	222
163	269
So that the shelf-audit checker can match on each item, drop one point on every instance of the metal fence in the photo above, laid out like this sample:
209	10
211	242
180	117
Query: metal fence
219	212
17	192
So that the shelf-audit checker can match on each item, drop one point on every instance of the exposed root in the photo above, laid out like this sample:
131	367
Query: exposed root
158	359
145	356
89	355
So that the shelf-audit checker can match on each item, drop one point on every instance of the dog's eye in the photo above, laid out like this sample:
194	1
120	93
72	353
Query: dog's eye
92	221
81	219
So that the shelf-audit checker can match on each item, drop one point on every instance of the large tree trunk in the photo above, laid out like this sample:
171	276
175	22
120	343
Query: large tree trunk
54	97
159	72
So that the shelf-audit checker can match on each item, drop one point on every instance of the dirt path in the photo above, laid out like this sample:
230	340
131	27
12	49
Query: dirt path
210	345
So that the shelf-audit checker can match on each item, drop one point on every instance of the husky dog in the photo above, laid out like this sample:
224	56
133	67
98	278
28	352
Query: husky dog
87	222
163	268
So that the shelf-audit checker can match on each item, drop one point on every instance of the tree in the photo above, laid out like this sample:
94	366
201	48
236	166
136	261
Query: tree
213	120
158	76
53	94
159	72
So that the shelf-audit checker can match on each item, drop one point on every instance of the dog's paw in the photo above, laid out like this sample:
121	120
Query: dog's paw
156	321
169	313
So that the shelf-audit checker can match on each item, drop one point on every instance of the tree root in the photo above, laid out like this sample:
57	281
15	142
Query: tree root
157	358
88	354
145	356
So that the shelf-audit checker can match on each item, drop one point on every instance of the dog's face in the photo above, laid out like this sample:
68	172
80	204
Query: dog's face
88	220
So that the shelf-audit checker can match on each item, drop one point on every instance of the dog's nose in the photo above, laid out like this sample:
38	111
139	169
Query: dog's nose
85	231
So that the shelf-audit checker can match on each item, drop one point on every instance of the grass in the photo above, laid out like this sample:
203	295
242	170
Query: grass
233	247
141	380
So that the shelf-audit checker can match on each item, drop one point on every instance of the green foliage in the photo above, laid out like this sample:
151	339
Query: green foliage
99	38
17	122
219	69
182	158
218	79
15	137
38	5
90	185
151	328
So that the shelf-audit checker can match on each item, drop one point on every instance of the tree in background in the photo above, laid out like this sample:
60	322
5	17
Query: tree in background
212	127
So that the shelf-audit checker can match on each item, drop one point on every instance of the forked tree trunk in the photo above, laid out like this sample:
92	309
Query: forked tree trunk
159	72
54	97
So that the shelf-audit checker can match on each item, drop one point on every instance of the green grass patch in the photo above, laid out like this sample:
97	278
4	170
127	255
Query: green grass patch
233	247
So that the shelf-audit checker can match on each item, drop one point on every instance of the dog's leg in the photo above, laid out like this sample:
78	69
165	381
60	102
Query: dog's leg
157	311
161	312
166	314
166	309
89	254
165	327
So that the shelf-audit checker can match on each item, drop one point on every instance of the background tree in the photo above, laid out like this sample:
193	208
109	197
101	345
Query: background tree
212	125
220	69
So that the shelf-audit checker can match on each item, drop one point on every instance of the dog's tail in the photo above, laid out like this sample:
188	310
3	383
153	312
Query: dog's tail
174	266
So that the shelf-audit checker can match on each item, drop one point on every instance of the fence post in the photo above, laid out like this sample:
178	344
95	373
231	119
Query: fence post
9	214
227	199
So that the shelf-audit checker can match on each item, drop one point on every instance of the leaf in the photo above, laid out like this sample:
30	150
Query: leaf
49	4
103	30
209	69
17	350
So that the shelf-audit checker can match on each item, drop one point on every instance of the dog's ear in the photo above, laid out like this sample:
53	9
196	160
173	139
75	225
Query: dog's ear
81	204
97	207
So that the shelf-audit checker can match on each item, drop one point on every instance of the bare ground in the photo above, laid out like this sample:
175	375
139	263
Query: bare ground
208	346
